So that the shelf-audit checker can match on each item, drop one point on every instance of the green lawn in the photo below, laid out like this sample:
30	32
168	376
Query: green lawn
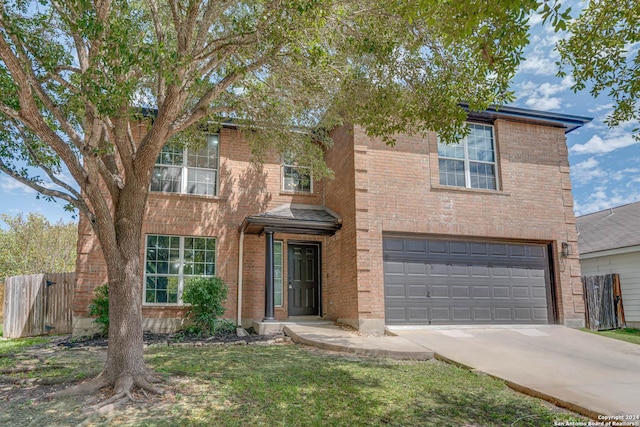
12	345
631	335
289	385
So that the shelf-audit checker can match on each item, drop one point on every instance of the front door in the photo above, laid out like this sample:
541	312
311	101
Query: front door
304	270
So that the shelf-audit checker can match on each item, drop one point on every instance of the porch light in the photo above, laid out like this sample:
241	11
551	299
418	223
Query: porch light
567	251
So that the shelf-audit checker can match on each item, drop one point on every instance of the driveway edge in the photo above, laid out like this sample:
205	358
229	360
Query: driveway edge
573	407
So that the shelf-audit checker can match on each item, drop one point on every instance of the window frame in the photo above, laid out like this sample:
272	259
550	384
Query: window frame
287	163
184	169
181	276
467	161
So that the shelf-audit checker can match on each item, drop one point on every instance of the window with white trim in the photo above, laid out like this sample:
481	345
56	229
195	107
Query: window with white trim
170	260
278	277
188	170
294	177
470	163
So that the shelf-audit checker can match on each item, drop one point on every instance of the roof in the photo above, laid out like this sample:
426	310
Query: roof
613	228
566	121
294	218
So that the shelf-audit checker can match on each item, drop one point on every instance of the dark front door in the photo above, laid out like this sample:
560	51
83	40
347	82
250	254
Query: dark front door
303	280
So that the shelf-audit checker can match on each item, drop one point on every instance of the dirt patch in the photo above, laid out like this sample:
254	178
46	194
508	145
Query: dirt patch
178	338
30	378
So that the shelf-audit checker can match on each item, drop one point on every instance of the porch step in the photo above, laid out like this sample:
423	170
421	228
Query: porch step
334	338
276	327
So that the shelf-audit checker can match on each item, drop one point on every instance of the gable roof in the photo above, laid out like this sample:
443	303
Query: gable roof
613	228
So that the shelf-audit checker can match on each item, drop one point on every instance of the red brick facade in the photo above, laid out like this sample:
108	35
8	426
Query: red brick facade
377	189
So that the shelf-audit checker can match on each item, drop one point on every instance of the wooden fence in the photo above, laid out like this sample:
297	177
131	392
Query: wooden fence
603	300
38	304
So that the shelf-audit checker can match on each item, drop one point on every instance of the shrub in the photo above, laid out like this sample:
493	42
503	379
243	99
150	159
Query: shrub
206	296
99	308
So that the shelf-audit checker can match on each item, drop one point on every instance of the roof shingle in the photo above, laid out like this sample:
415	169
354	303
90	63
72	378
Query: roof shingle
609	229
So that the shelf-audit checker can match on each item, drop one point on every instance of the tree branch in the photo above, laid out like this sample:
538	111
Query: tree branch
46	169
202	106
77	202
60	80
203	28
30	115
155	16
30	76
9	112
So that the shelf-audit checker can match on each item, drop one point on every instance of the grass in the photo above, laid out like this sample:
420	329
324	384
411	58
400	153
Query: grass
631	335
8	345
294	386
291	386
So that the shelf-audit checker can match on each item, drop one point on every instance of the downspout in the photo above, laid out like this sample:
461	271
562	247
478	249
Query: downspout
239	330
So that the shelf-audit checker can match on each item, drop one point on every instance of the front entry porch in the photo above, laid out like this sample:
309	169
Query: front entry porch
299	290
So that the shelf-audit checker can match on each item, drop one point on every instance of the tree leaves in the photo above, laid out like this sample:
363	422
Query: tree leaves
31	245
601	52
391	67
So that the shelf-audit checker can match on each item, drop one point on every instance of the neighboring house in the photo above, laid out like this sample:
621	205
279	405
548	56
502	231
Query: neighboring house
415	234
609	243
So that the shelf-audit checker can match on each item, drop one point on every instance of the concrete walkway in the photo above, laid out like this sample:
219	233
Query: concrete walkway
586	373
330	337
589	374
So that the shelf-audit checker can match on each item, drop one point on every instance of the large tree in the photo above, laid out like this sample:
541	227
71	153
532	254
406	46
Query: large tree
601	53
72	73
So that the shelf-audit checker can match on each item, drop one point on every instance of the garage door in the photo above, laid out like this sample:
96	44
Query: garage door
454	282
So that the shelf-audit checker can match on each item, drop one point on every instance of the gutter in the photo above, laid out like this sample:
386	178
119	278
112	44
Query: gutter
567	121
609	252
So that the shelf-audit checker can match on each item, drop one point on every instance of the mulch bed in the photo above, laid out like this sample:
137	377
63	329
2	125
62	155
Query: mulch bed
177	339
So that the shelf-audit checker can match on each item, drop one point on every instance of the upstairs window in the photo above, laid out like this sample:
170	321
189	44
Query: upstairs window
188	170
294	177
471	163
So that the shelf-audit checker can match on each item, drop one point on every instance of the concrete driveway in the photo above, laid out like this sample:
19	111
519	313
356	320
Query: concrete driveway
590	374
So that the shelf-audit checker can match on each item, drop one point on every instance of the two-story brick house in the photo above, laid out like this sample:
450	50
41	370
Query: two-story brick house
420	233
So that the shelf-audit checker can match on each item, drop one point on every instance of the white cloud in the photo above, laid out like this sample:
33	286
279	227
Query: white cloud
538	65
601	107
611	142
544	96
544	103
625	174
587	171
601	199
12	186
534	19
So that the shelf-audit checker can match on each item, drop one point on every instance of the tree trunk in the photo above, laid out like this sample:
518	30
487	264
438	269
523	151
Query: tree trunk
125	367
125	351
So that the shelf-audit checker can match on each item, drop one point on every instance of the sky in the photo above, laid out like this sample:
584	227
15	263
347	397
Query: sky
605	163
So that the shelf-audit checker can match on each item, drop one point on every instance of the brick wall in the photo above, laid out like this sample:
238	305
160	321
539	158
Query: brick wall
377	189
244	189
399	186
341	290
